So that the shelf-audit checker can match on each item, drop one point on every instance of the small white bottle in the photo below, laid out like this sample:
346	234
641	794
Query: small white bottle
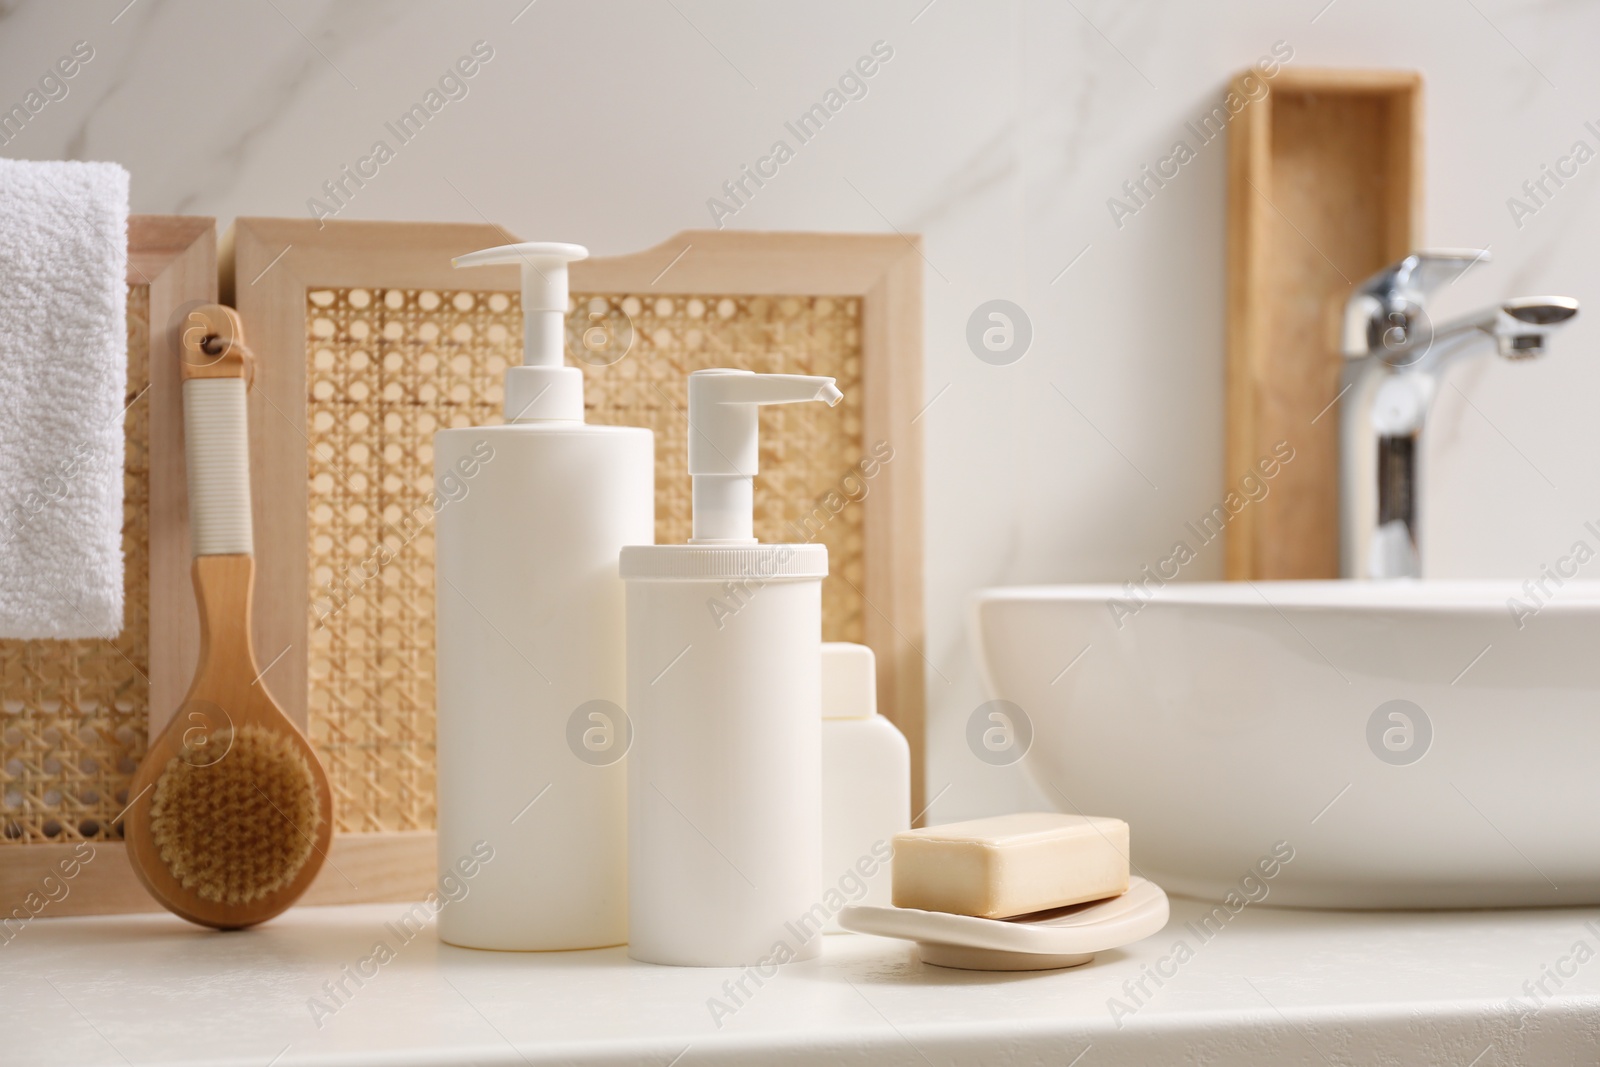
866	779
531	670
724	686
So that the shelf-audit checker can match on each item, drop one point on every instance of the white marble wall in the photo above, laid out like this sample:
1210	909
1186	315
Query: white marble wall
997	131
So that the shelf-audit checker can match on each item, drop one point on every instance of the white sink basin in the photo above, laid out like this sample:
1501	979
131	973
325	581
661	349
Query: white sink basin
1224	718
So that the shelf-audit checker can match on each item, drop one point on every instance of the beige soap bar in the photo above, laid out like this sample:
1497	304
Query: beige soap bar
1011	865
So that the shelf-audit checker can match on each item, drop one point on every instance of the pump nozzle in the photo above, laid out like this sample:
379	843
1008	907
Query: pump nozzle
723	449
543	387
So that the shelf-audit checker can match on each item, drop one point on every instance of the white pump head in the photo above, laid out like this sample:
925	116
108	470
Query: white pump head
543	387
723	447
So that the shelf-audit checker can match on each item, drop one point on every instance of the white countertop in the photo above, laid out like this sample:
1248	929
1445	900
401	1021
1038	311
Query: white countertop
1273	987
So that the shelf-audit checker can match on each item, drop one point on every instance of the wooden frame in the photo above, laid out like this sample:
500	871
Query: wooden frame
176	257
270	264
1324	189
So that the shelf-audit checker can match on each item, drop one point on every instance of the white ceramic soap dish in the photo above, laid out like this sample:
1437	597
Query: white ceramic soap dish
1047	940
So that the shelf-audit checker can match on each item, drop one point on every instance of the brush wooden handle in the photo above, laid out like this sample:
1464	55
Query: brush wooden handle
216	373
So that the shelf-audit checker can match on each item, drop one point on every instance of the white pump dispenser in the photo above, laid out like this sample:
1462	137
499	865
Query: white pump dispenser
723	449
724	688
531	673
543	387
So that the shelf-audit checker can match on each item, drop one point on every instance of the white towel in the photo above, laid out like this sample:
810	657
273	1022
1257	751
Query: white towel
63	375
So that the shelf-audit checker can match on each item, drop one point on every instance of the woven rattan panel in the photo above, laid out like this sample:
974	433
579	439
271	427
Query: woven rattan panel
387	368
74	714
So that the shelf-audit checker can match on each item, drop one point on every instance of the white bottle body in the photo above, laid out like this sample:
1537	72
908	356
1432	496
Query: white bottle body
530	628
725	777
866	800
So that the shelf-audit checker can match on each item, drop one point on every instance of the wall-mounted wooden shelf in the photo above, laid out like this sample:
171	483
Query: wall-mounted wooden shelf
1324	188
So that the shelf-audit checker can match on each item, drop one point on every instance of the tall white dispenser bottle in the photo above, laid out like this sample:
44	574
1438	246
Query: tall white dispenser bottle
725	687
532	514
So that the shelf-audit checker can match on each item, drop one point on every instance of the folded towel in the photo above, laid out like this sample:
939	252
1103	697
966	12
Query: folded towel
63	374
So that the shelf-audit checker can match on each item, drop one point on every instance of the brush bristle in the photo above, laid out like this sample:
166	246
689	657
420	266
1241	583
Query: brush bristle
241	827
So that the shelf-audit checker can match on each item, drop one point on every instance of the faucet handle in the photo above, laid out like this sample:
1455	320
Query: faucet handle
1420	273
1386	312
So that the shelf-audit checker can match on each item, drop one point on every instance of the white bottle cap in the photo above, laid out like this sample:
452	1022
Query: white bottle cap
543	387
723	446
849	681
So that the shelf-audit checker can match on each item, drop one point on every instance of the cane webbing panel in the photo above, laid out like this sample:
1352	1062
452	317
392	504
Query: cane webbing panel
386	368
74	714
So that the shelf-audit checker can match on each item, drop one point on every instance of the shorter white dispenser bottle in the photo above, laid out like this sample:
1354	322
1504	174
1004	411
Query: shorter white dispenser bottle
866	779
724	686
531	515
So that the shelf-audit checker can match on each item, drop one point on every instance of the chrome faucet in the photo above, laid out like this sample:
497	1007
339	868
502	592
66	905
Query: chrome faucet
1395	360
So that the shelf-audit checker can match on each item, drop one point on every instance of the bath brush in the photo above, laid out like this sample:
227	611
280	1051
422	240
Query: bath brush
230	814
